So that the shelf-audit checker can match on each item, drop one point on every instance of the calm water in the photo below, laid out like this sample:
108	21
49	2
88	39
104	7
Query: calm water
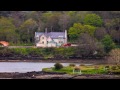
25	66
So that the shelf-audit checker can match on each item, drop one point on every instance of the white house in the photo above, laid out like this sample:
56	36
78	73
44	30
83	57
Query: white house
50	39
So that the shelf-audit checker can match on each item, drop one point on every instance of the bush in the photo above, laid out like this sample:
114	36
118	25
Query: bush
114	67
118	66
77	68
107	67
58	66
72	65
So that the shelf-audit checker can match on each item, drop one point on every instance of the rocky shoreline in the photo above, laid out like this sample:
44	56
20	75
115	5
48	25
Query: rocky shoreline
85	61
53	75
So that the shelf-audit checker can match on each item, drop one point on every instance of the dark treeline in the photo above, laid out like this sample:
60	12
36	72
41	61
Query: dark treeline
19	26
95	32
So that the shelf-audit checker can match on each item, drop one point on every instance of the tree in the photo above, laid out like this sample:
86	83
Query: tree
8	30
88	46
93	19
18	18
89	29
74	32
115	55
100	33
77	29
27	30
51	21
64	22
108	43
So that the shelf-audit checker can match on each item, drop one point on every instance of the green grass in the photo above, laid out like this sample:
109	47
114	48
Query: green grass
84	70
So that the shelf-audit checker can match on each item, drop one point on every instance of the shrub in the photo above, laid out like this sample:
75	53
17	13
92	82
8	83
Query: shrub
114	67
58	66
77	68
72	65
107	67
118	66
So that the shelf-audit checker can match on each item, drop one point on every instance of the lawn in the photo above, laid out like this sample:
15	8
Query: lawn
91	69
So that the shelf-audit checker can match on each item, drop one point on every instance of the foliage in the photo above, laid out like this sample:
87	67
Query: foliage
64	52
28	28
77	68
93	19
84	70
89	47
18	27
115	55
115	69
58	66
72	65
100	33
77	29
7	30
108	43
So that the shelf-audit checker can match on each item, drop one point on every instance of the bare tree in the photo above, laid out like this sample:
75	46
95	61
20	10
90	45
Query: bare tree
100	33
88	46
114	56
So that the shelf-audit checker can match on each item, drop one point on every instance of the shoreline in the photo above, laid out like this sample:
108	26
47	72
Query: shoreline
53	75
88	61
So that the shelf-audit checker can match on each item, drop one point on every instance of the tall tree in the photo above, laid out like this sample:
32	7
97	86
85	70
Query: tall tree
88	46
64	21
77	29
27	31
100	33
7	30
93	19
108	43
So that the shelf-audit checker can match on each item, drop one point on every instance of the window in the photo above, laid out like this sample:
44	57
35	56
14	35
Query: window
42	42
42	37
60	41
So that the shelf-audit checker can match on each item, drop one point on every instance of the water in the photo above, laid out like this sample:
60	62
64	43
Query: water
26	66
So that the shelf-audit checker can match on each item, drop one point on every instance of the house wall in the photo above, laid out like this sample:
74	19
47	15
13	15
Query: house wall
51	44
42	42
57	40
39	42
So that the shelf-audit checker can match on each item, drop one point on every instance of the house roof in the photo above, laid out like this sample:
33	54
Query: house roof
53	35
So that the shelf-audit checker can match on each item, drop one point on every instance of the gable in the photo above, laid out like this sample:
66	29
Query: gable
43	36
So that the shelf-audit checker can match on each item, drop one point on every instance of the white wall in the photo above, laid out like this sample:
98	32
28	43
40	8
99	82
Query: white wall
40	44
51	45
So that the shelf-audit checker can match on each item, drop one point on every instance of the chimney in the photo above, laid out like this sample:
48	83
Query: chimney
65	36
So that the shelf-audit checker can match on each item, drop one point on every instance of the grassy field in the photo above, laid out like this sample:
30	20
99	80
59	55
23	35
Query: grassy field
91	69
